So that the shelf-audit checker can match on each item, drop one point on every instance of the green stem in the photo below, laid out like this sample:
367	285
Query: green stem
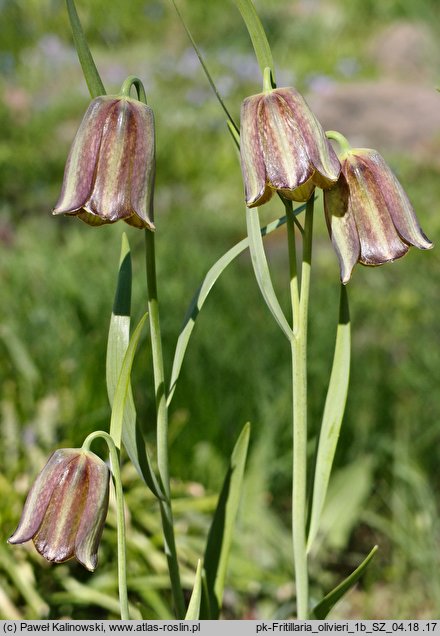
132	80
293	268
162	425
299	386
120	519
340	139
268	84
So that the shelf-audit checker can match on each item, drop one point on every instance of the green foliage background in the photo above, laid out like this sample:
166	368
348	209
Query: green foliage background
57	281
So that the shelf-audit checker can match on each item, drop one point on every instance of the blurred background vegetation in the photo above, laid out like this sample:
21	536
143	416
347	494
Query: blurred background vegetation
369	68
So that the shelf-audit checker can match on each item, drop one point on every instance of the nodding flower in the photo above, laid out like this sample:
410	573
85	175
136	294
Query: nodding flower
65	509
369	216
110	171
283	148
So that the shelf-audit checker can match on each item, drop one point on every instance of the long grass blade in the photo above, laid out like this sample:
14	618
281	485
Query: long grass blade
332	416
220	534
193	611
320	611
262	273
257	35
91	75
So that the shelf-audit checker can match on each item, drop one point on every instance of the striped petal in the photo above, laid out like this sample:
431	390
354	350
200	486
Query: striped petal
342	227
39	496
396	200
80	167
319	151
253	167
285	156
94	514
379	239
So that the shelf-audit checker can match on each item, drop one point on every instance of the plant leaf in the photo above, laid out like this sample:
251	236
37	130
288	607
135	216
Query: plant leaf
332	416
220	533
193	611
257	35
119	332
91	75
262	273
201	294
117	346
320	611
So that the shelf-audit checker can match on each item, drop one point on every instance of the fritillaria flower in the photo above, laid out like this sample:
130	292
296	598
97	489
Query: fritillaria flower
109	174
283	148
369	216
65	509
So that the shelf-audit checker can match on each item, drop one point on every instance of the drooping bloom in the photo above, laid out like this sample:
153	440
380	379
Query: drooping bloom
65	509
109	174
369	216
283	148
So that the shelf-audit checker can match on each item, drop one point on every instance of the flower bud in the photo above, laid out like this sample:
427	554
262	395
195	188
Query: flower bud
110	170
369	216
283	148
65	509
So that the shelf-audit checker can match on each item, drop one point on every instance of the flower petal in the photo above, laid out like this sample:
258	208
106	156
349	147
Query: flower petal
319	150
39	496
342	227
397	202
285	156
379	239
143	166
111	193
256	188
55	539
94	513
81	163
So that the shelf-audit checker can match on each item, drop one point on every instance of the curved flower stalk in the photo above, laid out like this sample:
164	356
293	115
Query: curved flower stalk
283	148
110	170
65	509
369	216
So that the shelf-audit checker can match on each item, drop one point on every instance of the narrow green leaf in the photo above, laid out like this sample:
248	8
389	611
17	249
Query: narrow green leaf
257	35
205	69
320	611
91	75
332	416
118	343
119	331
220	533
123	385
193	611
201	295
123	419
262	273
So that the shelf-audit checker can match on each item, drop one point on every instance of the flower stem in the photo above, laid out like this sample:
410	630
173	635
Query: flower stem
268	84
162	426
132	80
300	302
120	519
343	142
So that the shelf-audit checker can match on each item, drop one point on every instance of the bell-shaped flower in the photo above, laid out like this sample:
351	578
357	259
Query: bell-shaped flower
283	148
109	174
369	216
65	509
